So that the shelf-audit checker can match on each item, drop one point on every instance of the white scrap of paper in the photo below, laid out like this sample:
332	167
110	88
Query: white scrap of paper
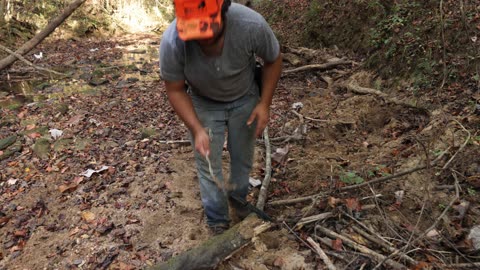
12	182
297	105
88	173
55	133
254	182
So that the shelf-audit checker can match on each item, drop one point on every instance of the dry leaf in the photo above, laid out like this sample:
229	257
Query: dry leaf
30	127
21	115
421	266
337	244
69	187
74	231
75	120
353	204
20	233
88	216
4	220
332	201
34	135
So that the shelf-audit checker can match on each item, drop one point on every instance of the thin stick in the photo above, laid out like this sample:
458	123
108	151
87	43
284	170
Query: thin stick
388	247
366	228
361	248
318	66
221	186
389	177
28	62
461	147
475	265
314	218
176	142
262	196
321	253
365	91
383	179
297	200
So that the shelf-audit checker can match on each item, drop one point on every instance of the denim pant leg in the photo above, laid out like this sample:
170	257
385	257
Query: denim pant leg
212	117
241	144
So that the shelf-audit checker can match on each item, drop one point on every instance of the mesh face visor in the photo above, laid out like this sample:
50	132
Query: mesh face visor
198	19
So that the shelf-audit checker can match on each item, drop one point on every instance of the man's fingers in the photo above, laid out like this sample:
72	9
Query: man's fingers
251	118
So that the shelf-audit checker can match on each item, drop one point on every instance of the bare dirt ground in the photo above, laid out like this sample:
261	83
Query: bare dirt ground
145	208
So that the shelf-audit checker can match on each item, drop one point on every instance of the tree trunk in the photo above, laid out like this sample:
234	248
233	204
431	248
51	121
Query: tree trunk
25	48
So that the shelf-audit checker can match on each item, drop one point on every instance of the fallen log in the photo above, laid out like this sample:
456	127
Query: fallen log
213	251
28	46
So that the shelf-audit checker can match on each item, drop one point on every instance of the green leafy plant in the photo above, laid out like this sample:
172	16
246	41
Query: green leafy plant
379	170
351	178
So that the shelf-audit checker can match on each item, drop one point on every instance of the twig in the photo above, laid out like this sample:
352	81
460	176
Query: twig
262	196
318	66
381	243
383	215
366	228
297	200
321	120
310	219
383	179
475	265
176	142
28	62
461	147
220	185
361	248
365	91
321	253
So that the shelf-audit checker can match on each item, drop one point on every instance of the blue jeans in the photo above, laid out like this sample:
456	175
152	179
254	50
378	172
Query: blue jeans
219	117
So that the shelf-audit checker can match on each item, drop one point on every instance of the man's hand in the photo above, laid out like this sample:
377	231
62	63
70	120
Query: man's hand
261	113
202	142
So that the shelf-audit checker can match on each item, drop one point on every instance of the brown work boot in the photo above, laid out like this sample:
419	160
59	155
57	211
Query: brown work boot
218	229
237	212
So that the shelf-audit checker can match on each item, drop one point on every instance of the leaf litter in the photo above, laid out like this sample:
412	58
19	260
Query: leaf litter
145	205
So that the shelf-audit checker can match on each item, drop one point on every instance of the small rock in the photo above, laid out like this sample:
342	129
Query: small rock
131	143
77	262
98	81
132	79
138	51
474	236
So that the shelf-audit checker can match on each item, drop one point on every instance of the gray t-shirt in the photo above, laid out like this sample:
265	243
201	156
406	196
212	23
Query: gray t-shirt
230	75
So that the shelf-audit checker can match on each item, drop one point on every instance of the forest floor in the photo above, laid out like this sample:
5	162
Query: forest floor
144	206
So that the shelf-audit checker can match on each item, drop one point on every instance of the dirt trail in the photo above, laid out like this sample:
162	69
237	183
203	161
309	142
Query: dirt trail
146	207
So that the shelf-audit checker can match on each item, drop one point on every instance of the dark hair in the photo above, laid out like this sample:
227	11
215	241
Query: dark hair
226	5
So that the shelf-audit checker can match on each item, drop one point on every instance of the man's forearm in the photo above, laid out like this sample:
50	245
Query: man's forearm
182	104
270	76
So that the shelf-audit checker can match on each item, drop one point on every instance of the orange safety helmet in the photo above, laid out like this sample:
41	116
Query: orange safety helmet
199	19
